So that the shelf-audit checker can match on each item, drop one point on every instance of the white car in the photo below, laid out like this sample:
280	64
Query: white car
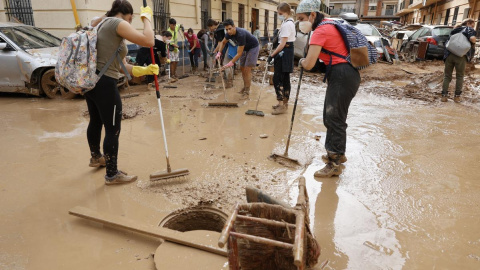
373	36
28	56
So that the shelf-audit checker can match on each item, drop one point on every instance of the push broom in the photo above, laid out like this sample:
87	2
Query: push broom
169	173
226	103
278	157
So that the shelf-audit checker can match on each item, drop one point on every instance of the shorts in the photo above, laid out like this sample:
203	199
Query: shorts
249	58
174	56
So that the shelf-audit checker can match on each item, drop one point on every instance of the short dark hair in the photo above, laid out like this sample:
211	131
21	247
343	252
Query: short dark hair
166	33
190	30
228	22
212	22
172	21
120	6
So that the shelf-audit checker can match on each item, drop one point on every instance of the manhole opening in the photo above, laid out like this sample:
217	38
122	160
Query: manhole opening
195	218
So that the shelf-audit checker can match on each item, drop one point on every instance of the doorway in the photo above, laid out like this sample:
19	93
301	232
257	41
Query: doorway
255	19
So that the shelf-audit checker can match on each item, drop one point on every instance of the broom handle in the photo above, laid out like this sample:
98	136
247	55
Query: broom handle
296	99
223	83
159	103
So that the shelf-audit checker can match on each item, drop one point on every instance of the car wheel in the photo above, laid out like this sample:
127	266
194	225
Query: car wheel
52	88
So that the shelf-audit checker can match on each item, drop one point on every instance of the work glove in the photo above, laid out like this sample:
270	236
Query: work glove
146	13
168	61
138	71
189	51
230	64
269	59
219	54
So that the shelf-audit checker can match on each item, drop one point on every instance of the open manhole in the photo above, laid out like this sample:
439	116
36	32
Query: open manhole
194	219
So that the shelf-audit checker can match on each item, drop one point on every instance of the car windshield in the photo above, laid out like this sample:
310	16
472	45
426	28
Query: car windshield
367	30
30	37
444	31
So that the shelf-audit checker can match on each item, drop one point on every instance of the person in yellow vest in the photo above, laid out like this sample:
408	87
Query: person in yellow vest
174	28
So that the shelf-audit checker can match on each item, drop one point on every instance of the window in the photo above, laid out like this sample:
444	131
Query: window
446	17
455	14
265	30
19	10
275	21
372	8
224	11
161	14
205	12
241	16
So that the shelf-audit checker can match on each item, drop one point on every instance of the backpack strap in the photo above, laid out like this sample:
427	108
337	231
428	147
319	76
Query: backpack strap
116	54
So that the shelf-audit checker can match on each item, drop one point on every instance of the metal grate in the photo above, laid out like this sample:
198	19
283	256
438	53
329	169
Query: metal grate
161	14
20	11
205	12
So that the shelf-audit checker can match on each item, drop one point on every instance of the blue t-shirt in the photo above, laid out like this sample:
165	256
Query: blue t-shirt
243	38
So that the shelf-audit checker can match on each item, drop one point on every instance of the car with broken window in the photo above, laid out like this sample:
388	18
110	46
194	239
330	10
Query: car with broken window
28	56
435	35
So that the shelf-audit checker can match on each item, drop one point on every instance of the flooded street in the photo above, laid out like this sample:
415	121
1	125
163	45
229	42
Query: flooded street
407	198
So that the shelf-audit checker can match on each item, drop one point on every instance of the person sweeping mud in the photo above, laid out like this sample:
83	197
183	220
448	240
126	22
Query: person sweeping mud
283	58
458	62
343	81
103	101
247	52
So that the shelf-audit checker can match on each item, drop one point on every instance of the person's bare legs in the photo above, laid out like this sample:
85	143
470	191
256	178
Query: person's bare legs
173	67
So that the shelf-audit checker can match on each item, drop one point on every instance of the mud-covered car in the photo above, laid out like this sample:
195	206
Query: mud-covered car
28	56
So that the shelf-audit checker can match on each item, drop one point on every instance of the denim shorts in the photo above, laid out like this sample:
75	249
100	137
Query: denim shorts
249	58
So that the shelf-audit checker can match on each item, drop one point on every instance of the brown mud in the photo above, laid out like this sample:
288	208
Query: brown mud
407	199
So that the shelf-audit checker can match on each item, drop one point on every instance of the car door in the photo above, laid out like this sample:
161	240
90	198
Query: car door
10	73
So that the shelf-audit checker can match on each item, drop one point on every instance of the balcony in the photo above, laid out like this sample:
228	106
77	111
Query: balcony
336	12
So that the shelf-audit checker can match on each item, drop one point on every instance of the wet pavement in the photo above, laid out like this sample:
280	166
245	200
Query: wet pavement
407	199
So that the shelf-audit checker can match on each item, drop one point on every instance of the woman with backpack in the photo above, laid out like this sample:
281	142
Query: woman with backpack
283	58
103	101
343	81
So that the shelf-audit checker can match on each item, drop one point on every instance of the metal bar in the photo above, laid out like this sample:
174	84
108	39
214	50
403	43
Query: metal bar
228	227
299	239
262	240
266	221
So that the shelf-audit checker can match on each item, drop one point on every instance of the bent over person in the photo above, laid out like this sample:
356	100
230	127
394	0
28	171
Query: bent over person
247	52
343	81
103	101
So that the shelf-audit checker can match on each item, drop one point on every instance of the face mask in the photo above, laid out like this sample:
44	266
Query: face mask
189	35
281	17
305	27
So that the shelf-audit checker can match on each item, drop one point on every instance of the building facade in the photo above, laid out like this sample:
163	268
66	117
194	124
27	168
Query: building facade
439	12
57	17
377	10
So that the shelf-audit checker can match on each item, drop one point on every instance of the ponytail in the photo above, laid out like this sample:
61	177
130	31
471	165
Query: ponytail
318	19
120	6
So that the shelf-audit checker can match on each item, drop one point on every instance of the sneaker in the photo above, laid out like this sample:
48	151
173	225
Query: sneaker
97	162
173	80
245	95
330	169
119	178
444	99
241	90
456	99
279	110
343	159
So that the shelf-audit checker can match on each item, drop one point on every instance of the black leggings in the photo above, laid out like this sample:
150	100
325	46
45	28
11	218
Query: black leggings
105	109
342	85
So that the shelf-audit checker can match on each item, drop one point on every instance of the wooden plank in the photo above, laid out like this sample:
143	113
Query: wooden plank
266	221
262	240
228	227
130	225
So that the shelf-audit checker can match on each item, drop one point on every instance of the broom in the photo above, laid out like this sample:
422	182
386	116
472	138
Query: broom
169	173
278	157
226	103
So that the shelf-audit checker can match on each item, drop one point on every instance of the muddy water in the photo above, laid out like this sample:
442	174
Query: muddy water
406	200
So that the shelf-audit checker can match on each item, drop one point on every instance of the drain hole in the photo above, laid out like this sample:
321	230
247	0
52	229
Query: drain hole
195	218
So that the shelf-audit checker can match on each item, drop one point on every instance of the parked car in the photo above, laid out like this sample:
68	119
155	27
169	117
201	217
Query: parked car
301	40
28	56
373	36
435	35
407	30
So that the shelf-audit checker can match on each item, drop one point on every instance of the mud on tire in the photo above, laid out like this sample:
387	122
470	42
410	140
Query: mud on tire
51	88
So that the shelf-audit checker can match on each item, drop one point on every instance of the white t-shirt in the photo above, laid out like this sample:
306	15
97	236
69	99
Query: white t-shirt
287	30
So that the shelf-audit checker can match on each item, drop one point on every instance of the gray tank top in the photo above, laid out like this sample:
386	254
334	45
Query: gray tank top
108	42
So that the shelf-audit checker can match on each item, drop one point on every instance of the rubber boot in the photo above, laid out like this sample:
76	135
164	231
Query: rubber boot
332	167
342	159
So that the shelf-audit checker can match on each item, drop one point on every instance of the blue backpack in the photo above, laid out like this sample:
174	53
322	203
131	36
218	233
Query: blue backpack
361	53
